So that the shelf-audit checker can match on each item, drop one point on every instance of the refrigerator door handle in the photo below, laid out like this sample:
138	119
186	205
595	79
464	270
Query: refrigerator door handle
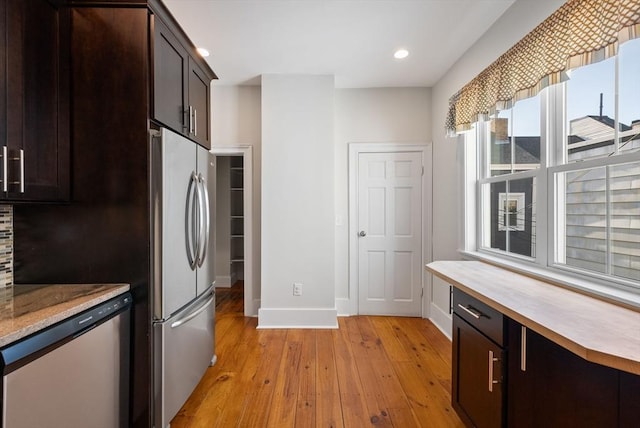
206	221
190	232
193	314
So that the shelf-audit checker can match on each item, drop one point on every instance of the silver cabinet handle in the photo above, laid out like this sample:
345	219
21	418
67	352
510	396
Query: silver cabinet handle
190	119
195	122
492	360
523	348
471	311
21	183
194	314
362	234
5	174
189	219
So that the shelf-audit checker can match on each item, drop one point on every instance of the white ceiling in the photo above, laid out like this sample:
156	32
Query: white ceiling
351	39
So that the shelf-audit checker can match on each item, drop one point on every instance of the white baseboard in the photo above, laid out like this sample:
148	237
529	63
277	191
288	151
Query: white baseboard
442	320
343	305
297	318
223	281
252	311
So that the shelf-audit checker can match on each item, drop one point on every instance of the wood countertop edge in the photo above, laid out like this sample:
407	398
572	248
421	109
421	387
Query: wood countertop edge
69	309
591	355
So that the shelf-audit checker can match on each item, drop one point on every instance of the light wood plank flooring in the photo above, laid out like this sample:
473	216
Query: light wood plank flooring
372	371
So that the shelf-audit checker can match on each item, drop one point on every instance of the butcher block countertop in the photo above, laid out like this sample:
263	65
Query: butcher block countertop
596	330
26	309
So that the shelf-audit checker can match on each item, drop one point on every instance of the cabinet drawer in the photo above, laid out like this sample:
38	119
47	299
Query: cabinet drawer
486	319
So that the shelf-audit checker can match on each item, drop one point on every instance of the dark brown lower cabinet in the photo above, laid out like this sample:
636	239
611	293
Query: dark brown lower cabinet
629	400
478	389
507	375
549	386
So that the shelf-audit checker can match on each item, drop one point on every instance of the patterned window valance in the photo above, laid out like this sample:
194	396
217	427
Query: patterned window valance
581	32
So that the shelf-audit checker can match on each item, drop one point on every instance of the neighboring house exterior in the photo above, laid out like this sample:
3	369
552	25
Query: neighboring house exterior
586	220
585	202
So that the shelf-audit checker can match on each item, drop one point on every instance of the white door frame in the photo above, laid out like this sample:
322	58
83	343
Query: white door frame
427	232
250	304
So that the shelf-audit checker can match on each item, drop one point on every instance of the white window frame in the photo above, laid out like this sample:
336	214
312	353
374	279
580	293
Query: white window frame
549	207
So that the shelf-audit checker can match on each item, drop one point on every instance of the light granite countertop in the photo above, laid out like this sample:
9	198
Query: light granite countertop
598	331
26	309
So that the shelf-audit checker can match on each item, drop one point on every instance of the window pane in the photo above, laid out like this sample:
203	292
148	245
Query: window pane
497	219
585	219
526	131
590	106
629	95
625	220
513	216
500	144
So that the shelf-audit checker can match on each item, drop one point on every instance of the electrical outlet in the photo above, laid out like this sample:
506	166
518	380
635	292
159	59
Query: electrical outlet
297	289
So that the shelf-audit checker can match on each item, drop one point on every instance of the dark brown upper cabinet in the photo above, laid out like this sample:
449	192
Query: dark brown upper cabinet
34	106
181	87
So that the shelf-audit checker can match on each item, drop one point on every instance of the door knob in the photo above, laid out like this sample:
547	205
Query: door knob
362	233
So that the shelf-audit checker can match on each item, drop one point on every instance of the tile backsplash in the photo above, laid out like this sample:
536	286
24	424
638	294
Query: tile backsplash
6	246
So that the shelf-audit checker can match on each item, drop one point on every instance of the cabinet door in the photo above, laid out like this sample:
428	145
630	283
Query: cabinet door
629	399
37	91
199	119
477	390
171	63
552	387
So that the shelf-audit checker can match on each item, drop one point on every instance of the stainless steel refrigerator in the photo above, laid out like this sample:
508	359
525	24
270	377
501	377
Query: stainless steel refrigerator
182	271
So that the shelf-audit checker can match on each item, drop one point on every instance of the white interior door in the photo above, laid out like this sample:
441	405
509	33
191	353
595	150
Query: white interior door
390	233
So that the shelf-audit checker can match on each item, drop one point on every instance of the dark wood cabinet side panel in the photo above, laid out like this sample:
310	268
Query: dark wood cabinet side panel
103	235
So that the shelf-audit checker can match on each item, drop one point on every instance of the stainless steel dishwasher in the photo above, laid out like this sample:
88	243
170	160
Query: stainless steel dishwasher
72	374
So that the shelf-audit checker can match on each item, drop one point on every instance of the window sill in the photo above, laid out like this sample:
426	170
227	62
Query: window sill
600	290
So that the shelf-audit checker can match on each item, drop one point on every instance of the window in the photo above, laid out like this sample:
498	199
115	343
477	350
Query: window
509	179
559	174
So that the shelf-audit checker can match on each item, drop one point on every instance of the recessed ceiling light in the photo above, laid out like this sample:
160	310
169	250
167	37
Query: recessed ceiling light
401	53
203	52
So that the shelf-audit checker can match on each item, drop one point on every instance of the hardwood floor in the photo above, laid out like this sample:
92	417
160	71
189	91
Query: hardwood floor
372	371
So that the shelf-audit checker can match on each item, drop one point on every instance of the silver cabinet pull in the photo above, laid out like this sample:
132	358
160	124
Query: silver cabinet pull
492	360
190	119
471	311
21	183
362	234
5	174
195	122
523	348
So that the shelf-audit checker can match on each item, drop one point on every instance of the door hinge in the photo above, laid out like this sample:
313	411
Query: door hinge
422	169
422	292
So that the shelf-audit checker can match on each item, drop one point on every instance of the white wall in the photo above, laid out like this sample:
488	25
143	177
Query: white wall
237	121
522	17
297	201
379	115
